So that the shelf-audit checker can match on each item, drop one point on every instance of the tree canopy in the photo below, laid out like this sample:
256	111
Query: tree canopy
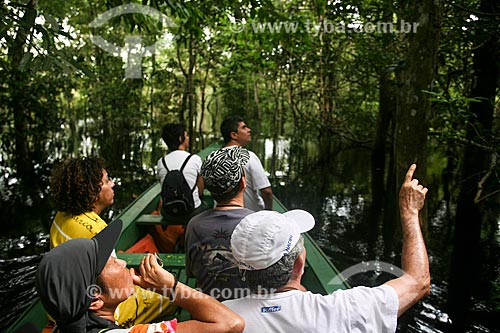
404	80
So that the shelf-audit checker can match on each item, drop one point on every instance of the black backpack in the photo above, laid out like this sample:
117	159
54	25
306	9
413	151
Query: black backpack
176	194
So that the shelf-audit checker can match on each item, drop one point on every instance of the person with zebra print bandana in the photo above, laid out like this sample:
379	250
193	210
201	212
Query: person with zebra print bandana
208	252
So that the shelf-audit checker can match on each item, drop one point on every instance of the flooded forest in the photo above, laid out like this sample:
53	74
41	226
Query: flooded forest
341	98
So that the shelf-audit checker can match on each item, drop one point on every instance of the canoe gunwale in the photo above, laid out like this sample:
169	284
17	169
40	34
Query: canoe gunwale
319	276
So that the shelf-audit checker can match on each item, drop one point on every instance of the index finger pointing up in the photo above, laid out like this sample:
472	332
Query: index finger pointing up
409	173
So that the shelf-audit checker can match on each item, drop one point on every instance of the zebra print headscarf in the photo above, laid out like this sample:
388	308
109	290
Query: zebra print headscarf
223	169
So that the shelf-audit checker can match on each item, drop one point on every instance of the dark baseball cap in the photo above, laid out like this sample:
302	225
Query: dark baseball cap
67	275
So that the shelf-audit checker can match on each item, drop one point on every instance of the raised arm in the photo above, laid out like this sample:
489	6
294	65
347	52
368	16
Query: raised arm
267	196
201	186
414	283
209	315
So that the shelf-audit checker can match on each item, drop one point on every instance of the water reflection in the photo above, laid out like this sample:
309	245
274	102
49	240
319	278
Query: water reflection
20	258
337	192
335	189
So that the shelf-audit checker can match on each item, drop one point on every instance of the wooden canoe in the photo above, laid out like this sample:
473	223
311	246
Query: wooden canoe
320	276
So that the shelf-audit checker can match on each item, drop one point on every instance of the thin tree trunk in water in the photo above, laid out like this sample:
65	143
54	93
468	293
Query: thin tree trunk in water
188	96
191	93
154	134
391	214
214	114
476	164
17	105
203	103
134	151
74	139
184	100
106	146
412	107
385	115
378	191
256	97
256	122
326	79
276	131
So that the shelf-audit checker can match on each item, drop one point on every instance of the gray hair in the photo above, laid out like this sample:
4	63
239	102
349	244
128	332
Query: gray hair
276	275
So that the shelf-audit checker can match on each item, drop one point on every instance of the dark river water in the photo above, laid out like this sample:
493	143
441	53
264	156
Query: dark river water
336	193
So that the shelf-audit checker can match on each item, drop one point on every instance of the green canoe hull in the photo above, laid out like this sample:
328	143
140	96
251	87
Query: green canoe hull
320	276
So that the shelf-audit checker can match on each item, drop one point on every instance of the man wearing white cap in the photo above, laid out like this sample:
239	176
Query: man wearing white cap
269	248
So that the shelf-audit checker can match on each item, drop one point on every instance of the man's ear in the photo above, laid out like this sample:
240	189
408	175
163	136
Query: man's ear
299	264
96	304
233	135
244	181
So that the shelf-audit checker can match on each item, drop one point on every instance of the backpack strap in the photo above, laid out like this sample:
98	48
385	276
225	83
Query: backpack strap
182	168
165	164
185	162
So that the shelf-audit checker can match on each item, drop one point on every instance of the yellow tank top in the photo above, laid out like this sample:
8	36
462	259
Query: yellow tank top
67	226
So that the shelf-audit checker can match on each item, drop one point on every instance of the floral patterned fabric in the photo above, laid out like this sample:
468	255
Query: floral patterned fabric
161	327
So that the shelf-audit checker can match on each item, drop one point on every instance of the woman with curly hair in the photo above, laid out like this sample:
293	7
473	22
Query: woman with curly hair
81	190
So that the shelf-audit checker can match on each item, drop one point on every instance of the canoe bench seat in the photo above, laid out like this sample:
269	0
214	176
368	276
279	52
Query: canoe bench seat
148	219
172	262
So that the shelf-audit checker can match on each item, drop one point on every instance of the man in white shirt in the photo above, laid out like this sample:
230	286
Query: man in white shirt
177	140
268	247
258	194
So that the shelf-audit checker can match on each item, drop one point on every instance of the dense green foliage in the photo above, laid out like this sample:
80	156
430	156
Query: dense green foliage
323	73
310	71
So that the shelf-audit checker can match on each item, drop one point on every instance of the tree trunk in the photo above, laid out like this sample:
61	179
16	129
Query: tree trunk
190	87
277	117
17	104
412	106
391	212
325	94
203	102
378	189
153	133
258	110
476	164
385	116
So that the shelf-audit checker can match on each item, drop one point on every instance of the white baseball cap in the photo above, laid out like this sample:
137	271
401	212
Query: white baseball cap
261	239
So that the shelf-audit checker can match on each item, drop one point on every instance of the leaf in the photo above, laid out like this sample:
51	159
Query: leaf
54	26
25	61
78	65
47	40
475	99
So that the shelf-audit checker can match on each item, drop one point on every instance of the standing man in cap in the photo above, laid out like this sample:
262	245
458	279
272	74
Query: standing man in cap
269	248
258	194
208	252
80	285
